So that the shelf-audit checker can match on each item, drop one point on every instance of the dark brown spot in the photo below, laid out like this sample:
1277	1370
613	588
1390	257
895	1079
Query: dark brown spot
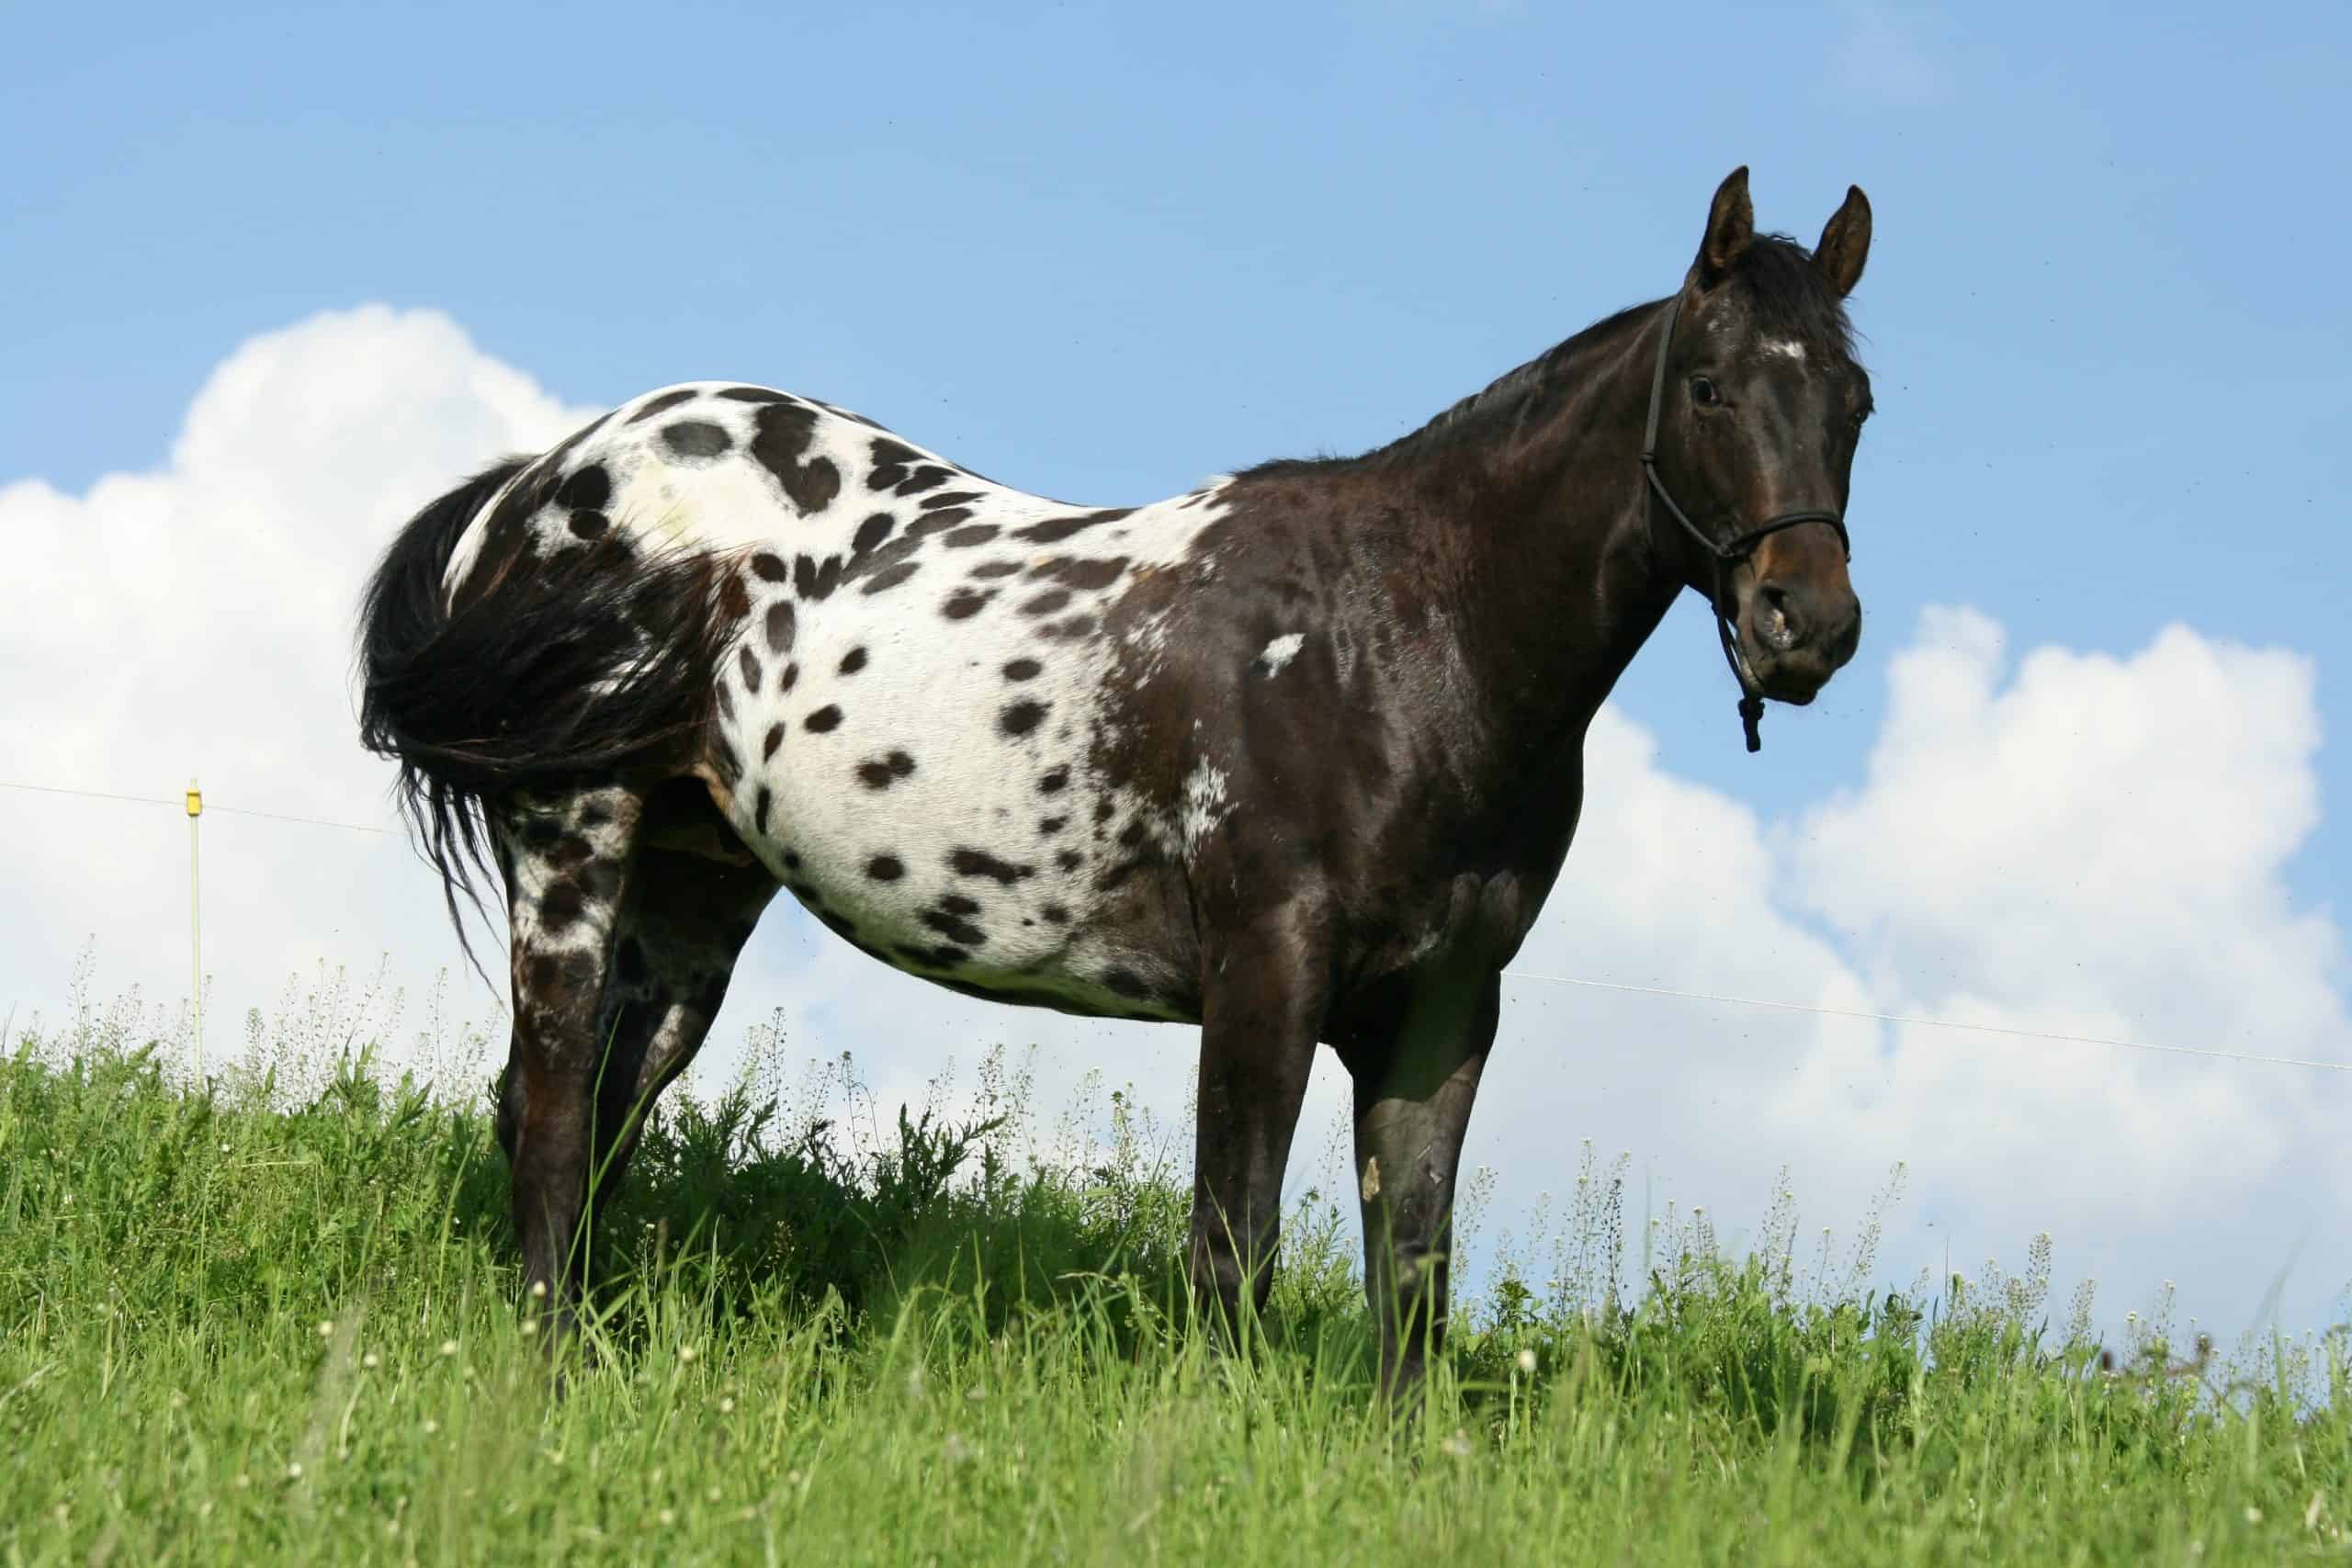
750	668
928	477
996	568
590	488
1055	782
953	928
979	863
695	438
1051	825
949	498
885	868
759	807
771	567
1021	718
1070	630
941	957
964	538
778	444
1055	915
1082	574
754	395
871	532
1046	604
932	523
586	524
1069	859
966	603
774	740
783	622
562	904
853	662
1022	670
881	772
662	404
789	679
957	904
813	581
890	577
825	718
1126	983
1054	530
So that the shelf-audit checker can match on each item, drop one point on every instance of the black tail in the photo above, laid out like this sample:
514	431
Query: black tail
594	665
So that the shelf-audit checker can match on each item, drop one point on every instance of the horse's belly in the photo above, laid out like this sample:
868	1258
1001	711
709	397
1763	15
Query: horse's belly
927	798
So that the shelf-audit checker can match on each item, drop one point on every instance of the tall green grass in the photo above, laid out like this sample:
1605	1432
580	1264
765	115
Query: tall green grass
274	1319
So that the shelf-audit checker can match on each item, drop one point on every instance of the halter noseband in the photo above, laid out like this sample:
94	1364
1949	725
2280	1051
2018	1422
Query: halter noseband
1729	553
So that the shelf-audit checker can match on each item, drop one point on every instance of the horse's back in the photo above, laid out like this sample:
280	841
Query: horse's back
928	712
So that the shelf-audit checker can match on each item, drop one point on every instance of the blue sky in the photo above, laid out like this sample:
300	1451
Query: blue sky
1100	252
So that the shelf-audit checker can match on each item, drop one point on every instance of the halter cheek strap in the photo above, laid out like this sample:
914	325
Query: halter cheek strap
1726	553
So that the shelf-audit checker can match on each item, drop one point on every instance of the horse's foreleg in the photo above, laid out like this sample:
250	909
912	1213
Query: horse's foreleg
568	860
1412	1107
1266	988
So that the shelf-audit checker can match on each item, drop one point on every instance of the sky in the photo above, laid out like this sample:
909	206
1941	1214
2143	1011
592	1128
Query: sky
272	277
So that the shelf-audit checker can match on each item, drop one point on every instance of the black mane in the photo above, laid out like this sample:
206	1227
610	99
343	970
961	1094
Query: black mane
1787	293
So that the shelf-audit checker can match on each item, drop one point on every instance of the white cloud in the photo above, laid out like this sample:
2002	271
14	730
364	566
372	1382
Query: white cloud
196	621
2071	842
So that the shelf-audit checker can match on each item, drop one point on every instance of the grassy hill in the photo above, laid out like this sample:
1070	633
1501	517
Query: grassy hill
245	1325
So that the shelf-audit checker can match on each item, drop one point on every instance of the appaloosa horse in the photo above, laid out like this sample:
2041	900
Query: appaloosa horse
1295	756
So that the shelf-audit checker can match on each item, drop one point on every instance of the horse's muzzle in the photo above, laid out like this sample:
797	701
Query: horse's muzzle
1793	638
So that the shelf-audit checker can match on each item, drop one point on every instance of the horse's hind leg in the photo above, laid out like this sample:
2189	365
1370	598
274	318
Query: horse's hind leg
568	860
693	899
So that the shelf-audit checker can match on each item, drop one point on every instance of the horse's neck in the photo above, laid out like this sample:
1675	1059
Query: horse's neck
1565	580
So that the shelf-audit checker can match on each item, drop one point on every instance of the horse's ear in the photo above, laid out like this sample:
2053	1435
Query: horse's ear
1845	242
1731	224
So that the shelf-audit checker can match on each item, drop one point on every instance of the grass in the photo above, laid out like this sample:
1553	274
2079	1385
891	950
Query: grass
260	1322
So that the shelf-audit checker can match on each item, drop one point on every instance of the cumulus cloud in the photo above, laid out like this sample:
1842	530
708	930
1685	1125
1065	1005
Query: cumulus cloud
195	620
2081	844
2064	840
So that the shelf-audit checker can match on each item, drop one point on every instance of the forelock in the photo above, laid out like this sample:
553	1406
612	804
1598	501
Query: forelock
1788	297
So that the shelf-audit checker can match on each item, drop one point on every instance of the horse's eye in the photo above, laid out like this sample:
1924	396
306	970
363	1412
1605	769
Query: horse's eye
1704	393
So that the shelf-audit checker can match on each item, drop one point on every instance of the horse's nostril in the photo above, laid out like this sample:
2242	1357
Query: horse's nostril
1779	620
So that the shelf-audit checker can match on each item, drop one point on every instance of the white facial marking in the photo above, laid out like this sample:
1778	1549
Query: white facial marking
1787	348
1281	652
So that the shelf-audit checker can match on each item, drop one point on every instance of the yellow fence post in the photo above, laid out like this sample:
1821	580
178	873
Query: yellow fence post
195	929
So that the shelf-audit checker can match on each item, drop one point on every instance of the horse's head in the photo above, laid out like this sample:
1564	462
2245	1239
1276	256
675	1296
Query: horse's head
1760	407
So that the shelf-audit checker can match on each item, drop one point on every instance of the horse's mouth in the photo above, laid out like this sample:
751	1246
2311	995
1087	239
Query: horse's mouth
1794	676
1776	660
